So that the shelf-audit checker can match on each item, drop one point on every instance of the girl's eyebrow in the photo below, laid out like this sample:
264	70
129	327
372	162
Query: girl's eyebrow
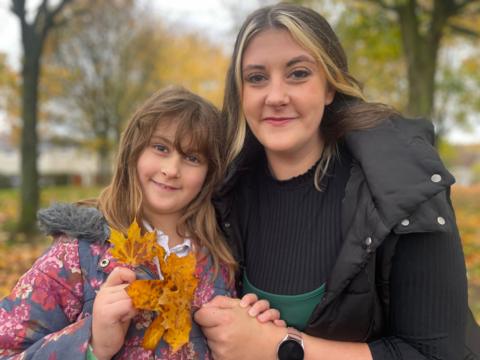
160	138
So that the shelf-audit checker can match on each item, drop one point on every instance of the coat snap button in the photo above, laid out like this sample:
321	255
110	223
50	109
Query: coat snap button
104	263
368	241
405	222
436	178
227	225
441	220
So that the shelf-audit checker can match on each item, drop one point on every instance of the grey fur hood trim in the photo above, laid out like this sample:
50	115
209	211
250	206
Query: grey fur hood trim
77	222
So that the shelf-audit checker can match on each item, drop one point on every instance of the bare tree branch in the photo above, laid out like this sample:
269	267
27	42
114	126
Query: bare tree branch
462	4
55	11
18	8
383	4
461	30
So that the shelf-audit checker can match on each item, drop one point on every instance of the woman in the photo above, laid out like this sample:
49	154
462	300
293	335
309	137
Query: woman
337	209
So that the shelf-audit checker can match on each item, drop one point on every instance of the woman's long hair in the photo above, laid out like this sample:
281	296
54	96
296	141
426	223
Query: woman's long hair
198	122
349	109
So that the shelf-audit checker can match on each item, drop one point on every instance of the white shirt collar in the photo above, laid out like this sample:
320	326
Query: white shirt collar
180	250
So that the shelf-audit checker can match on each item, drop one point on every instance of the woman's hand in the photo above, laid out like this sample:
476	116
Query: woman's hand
112	312
233	334
261	310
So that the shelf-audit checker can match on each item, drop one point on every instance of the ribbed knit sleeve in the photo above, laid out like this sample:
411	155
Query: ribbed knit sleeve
428	300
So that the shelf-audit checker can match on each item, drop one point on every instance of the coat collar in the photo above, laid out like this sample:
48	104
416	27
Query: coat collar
401	166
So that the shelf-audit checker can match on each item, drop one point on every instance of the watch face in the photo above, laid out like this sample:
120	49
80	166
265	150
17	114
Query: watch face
290	350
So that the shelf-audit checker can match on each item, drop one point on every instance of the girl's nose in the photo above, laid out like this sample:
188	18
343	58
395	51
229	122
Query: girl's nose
171	167
277	93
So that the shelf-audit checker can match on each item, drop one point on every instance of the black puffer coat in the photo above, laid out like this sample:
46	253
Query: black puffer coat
397	185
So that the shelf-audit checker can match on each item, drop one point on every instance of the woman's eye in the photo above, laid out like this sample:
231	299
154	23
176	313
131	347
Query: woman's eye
255	78
299	74
160	148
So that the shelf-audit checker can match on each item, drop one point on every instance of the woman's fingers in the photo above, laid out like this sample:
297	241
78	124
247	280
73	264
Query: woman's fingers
223	302
208	317
248	299
269	315
280	323
259	307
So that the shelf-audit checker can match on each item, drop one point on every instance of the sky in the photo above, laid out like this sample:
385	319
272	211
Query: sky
215	18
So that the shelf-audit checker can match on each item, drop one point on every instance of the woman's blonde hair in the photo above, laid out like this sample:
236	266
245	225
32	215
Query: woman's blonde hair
198	121
349	109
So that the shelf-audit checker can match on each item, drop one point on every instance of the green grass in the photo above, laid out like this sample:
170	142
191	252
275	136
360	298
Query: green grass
9	203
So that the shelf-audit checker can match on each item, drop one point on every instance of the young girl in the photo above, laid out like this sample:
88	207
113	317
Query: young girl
72	304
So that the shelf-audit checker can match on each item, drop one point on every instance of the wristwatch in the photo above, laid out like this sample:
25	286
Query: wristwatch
291	346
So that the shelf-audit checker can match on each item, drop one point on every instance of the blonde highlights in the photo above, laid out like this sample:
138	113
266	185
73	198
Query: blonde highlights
198	121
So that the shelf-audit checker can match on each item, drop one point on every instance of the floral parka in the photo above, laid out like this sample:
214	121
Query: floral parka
48	313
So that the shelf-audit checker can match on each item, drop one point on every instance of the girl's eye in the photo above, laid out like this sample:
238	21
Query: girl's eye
160	148
299	74
255	78
194	159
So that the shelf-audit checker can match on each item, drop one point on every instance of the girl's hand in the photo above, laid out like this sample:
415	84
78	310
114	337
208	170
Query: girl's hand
112	313
261	310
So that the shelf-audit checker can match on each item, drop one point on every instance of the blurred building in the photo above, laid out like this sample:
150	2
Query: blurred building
58	165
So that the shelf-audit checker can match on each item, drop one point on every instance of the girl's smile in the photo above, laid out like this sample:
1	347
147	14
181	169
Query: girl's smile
169	179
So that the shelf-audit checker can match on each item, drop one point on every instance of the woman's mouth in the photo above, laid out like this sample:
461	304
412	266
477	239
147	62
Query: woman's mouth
278	121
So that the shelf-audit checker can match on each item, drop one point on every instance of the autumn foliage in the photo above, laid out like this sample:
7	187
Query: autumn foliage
171	297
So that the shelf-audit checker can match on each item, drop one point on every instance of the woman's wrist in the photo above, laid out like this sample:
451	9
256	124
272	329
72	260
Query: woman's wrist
274	338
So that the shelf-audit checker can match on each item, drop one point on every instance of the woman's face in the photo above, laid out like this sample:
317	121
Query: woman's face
284	94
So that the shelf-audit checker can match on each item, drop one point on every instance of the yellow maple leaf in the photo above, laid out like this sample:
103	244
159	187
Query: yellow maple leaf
171	298
154	333
135	249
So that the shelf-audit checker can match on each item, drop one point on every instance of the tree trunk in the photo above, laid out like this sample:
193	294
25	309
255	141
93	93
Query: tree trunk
104	163
29	199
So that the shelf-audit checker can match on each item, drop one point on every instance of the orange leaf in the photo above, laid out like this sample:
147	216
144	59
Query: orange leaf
154	333
171	298
135	249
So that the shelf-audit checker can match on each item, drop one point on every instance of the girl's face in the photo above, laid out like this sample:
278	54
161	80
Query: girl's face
169	180
284	94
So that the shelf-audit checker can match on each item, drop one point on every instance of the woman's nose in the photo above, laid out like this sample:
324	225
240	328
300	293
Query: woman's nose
277	93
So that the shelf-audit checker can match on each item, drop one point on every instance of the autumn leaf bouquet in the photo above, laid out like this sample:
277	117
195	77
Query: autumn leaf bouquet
170	297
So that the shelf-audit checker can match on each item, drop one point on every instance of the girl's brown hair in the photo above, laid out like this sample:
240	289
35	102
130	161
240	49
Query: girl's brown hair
198	121
349	109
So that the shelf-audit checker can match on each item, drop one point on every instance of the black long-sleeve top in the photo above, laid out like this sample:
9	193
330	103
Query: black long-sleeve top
281	230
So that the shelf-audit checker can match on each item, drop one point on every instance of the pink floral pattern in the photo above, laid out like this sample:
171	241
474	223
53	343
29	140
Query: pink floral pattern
48	313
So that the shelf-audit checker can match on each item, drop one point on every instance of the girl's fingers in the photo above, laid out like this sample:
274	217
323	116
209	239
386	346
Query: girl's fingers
117	311
248	299
259	307
131	314
120	275
112	297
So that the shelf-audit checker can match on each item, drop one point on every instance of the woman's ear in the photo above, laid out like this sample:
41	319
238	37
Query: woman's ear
329	94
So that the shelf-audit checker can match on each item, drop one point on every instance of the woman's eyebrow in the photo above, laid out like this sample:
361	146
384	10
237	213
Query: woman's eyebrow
301	58
254	67
293	61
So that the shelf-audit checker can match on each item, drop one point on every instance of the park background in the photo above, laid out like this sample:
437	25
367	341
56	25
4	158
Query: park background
73	71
